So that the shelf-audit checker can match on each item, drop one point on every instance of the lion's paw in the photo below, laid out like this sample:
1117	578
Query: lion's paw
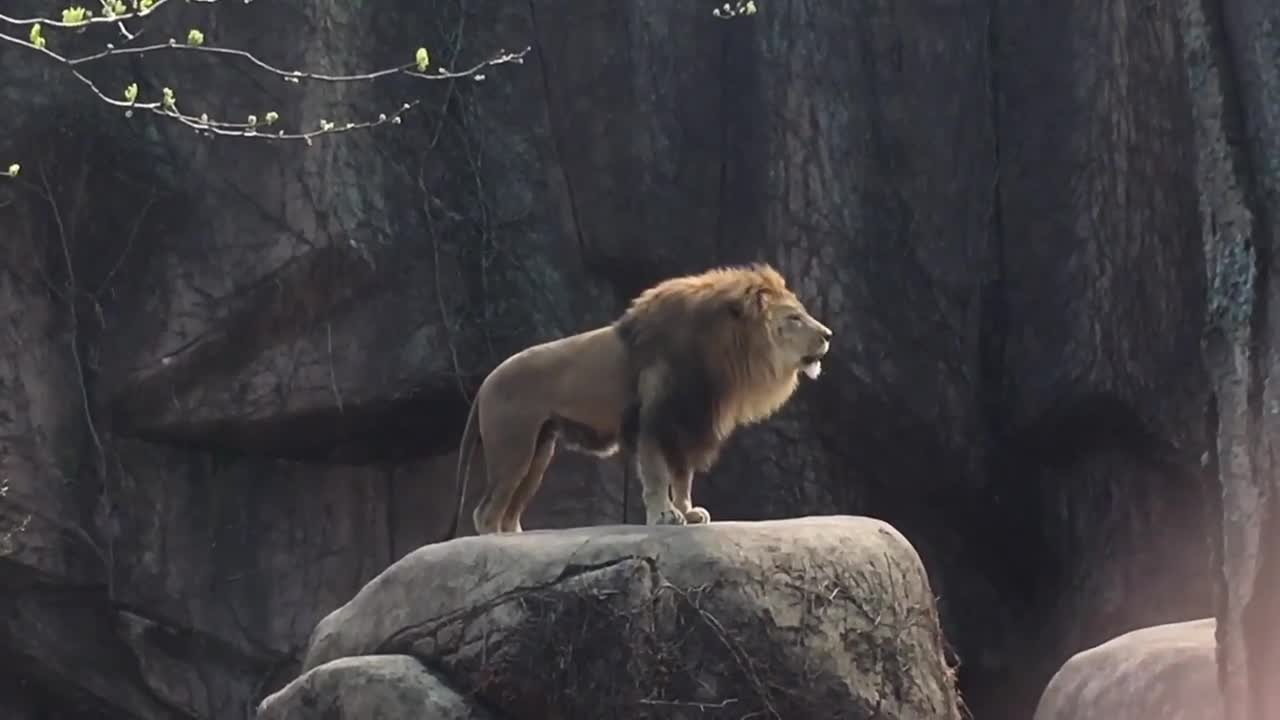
697	516
667	516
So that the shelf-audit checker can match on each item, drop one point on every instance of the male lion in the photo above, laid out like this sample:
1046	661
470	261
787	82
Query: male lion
690	360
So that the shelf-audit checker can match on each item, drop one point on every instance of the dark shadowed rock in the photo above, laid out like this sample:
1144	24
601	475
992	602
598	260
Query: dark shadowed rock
1163	672
374	687
823	617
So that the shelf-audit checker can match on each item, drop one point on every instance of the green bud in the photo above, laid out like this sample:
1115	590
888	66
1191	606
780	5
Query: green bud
73	14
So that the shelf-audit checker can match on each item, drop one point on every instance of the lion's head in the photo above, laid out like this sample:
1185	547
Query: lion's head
743	321
796	342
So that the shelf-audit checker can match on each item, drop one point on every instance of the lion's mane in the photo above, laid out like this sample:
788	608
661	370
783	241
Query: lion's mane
711	331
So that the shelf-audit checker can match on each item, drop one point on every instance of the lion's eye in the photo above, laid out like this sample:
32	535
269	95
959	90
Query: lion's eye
795	319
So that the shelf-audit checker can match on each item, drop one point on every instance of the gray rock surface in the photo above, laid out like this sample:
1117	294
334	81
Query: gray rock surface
373	687
1163	672
820	617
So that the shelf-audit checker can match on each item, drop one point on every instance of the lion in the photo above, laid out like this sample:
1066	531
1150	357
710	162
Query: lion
690	360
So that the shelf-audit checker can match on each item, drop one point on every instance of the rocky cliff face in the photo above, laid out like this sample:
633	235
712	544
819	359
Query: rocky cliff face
232	374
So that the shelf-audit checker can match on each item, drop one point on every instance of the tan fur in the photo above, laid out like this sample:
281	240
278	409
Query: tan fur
691	359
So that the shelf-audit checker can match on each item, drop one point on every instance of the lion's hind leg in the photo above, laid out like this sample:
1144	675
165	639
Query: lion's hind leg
528	486
509	453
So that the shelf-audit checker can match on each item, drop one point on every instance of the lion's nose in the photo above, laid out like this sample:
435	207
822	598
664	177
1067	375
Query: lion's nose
826	333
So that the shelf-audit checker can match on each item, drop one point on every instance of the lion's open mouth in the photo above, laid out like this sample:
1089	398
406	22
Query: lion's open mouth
811	365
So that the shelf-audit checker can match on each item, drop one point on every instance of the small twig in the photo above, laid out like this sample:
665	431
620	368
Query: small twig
333	378
128	244
740	656
75	325
689	704
440	303
33	513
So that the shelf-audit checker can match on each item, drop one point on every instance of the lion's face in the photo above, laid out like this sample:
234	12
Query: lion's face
800	341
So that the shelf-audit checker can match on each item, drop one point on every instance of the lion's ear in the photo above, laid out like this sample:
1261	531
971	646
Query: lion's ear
751	304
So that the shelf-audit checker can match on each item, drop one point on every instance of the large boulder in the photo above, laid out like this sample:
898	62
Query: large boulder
817	617
1162	672
375	687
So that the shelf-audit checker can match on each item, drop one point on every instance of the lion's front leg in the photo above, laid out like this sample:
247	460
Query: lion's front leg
655	479
682	498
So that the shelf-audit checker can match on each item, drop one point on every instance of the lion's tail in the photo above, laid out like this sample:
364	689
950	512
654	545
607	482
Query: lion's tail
466	450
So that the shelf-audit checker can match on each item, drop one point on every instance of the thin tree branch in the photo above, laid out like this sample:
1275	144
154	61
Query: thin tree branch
293	75
168	107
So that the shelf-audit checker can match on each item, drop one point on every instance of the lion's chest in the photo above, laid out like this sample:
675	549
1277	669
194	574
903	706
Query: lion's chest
755	404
